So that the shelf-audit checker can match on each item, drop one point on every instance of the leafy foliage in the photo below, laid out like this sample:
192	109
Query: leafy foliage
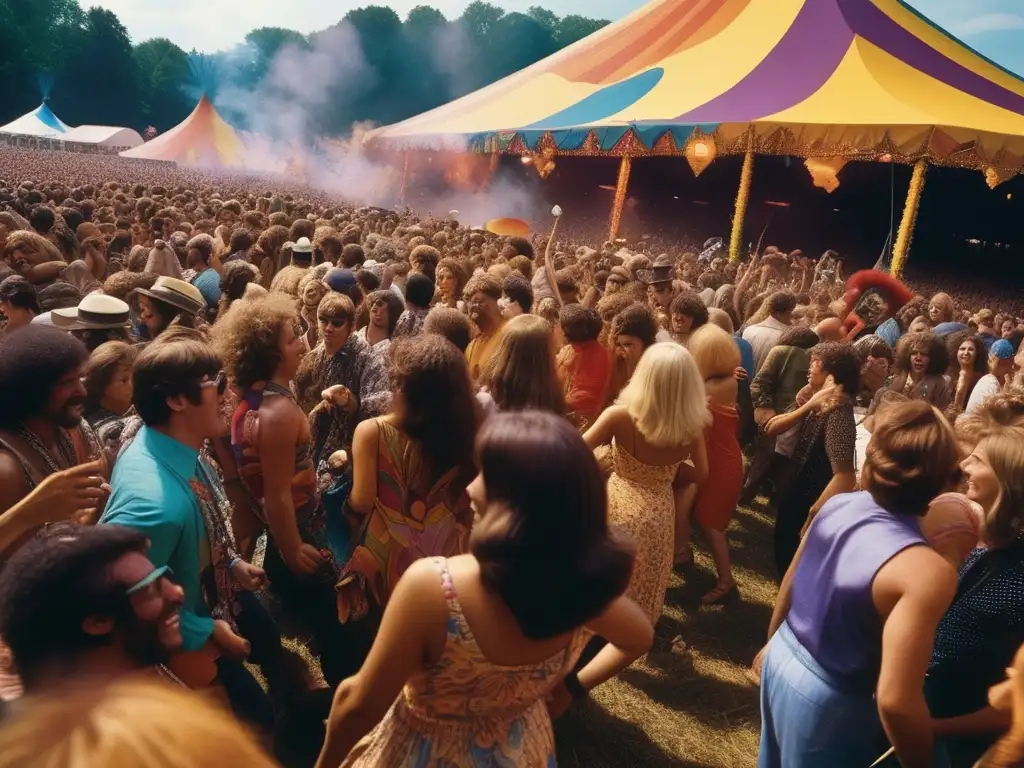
370	66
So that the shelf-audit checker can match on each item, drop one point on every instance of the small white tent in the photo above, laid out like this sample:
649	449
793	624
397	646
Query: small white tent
40	123
103	136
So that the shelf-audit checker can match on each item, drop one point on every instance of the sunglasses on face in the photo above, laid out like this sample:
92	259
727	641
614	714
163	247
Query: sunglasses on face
334	322
164	572
221	383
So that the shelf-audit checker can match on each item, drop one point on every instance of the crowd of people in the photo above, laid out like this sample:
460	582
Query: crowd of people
464	466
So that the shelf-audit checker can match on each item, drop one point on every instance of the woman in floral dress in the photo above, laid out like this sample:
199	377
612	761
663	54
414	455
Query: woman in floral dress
470	647
657	424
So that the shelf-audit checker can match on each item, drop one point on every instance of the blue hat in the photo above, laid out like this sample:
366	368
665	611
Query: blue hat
1002	349
340	279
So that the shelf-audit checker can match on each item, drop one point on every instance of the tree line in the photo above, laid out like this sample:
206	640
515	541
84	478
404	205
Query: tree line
390	68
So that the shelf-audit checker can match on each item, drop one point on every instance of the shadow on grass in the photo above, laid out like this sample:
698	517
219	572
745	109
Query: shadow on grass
589	737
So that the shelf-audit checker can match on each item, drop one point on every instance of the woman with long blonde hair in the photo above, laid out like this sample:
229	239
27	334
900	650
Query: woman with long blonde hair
655	427
717	357
522	372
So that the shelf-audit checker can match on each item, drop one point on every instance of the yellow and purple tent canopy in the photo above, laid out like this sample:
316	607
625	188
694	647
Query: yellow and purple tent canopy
203	138
857	79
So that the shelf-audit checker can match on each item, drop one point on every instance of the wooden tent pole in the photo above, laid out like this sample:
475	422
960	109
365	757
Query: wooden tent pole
742	198
620	196
405	177
906	231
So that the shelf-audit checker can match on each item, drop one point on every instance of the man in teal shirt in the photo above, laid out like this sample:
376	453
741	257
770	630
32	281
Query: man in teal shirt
160	486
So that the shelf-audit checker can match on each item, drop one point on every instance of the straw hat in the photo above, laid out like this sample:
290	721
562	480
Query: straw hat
302	245
177	293
96	311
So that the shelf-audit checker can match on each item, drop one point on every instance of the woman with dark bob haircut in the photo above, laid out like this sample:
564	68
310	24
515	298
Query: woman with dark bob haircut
853	627
479	641
921	361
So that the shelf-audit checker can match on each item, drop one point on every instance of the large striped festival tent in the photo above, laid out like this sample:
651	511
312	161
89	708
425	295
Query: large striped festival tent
203	139
831	81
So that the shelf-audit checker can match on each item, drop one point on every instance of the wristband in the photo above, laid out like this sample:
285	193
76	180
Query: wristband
234	561
575	687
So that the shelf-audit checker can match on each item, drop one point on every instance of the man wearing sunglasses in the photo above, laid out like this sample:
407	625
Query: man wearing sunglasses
158	488
85	602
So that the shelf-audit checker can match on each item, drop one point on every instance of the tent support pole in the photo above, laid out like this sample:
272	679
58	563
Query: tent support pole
620	196
742	198
405	176
906	231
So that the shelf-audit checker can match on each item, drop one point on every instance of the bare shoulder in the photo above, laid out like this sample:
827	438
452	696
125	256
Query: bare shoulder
421	585
919	571
366	432
280	412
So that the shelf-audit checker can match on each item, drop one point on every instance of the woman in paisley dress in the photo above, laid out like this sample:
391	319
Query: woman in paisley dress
411	469
656	425
474	651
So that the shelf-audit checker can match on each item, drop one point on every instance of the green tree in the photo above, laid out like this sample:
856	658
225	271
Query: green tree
480	18
35	38
573	28
524	41
423	18
266	43
99	84
163	75
545	17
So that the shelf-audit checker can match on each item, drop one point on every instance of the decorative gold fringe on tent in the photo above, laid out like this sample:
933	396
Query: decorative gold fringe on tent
620	196
906	233
742	198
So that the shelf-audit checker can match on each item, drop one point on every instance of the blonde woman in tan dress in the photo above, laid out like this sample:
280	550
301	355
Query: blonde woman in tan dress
655	428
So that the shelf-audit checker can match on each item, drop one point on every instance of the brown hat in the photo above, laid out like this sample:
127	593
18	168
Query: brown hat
662	271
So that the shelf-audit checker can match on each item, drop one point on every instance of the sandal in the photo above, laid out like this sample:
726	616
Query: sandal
719	593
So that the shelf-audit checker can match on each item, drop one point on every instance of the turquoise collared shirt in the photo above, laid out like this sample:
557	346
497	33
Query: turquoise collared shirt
152	494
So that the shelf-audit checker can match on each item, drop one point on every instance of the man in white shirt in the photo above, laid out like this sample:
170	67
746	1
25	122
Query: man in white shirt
765	335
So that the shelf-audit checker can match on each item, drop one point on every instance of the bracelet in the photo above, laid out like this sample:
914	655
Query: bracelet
575	687
234	561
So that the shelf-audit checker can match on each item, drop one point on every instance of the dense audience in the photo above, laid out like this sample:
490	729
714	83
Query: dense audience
466	465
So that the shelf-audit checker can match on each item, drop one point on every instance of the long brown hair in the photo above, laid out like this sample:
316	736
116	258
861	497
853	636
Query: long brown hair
522	373
434	402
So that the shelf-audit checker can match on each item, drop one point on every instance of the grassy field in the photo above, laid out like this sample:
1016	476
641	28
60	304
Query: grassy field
689	702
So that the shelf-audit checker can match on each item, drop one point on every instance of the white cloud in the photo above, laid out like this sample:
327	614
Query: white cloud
989	22
213	25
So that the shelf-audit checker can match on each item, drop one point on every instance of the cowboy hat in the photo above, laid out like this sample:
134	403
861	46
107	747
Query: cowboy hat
177	293
662	271
96	311
302	245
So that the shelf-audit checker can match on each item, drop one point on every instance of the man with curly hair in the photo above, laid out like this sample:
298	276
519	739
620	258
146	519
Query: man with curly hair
260	344
482	294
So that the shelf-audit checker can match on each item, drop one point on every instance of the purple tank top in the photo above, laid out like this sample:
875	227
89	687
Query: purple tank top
832	613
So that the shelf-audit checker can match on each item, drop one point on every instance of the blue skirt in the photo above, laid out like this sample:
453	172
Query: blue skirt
808	718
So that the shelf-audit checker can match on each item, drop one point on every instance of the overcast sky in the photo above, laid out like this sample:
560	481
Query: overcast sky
995	27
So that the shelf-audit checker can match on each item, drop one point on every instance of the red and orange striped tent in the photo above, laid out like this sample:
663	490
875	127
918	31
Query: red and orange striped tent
203	139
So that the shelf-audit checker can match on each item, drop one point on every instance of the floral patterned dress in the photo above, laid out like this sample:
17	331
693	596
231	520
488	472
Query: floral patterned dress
465	711
641	502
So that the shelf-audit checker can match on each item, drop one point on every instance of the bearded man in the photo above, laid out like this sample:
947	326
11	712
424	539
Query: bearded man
41	426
